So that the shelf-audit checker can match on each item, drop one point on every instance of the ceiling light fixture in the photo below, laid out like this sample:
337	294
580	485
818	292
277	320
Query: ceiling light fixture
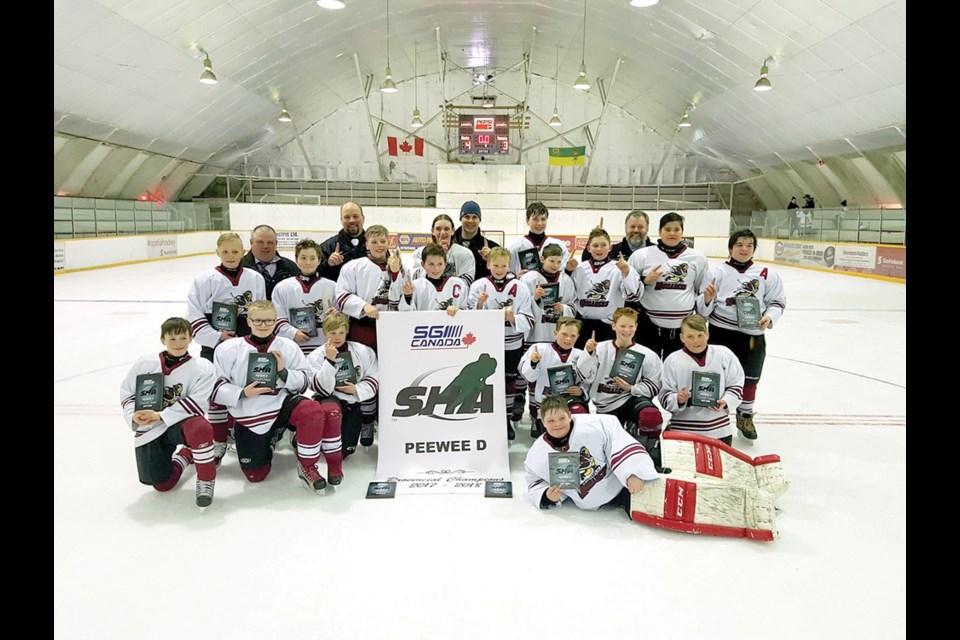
582	83
207	77
330	4
763	84
685	120
388	85
284	114
555	120
643	3
416	123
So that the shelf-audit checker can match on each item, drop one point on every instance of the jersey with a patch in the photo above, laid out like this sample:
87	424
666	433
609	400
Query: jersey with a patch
460	263
545	319
678	370
511	293
584	369
753	280
187	386
323	379
299	292
364	282
526	242
257	413
452	292
674	295
607	394
602	289
215	285
608	457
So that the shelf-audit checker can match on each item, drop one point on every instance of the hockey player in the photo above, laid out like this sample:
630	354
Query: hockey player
434	291
544	316
363	288
539	359
308	293
736	278
263	414
673	275
678	368
613	466
536	238
631	404
460	260
501	290
186	388
350	395
228	283
602	287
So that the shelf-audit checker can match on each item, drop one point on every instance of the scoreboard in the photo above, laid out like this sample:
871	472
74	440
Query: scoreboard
484	135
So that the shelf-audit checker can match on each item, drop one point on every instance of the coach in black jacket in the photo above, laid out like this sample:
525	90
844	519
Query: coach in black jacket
264	258
469	235
347	245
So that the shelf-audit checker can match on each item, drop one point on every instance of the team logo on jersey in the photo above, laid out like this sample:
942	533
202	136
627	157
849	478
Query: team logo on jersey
172	394
590	472
383	292
747	289
443	304
675	278
465	397
243	300
597	295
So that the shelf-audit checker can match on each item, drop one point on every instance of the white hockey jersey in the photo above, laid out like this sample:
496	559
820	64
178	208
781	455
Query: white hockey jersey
299	292
602	289
608	457
511	293
460	263
365	368
545	320
362	282
584	369
678	370
753	280
452	291
258	412
526	242
607	394
673	297
187	387
215	285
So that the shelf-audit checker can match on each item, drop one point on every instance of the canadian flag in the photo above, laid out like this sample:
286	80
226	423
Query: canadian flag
393	148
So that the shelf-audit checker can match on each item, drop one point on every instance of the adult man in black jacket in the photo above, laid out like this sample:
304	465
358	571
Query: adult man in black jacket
635	236
468	234
264	258
349	243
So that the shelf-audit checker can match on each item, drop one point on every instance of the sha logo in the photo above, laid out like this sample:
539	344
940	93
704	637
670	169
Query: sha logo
464	398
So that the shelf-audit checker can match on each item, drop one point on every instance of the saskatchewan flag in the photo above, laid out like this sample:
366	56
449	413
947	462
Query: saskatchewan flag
567	156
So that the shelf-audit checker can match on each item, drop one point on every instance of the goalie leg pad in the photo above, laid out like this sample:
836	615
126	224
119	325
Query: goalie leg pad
707	507
707	457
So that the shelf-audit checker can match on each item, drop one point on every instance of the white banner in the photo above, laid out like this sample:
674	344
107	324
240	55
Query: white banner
161	246
59	256
288	239
443	420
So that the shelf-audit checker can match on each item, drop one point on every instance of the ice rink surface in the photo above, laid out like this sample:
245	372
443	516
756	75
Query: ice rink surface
275	561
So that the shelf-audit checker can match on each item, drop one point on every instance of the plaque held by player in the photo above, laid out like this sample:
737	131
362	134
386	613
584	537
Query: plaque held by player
529	259
551	294
223	316
262	369
149	392
748	312
345	369
304	319
704	389
560	378
627	366
564	470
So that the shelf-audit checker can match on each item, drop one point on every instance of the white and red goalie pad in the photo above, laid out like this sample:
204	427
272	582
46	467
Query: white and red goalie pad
713	489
